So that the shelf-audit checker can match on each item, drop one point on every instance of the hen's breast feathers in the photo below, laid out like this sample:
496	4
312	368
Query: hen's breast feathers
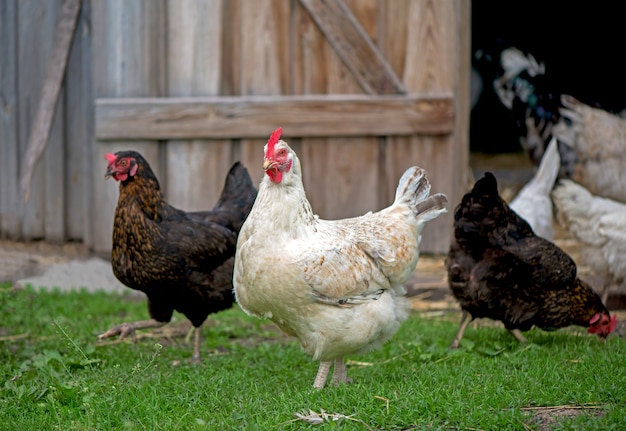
169	246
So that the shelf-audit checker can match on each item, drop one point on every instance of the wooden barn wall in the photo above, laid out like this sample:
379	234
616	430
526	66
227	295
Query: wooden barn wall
57	209
218	48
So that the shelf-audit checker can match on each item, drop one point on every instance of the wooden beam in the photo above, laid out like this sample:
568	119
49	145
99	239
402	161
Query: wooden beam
257	116
353	45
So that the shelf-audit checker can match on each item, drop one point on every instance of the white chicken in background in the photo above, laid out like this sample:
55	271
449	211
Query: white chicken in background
591	141
599	224
336	285
533	202
597	139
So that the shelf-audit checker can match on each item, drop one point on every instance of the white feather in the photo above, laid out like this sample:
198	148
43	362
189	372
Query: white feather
533	202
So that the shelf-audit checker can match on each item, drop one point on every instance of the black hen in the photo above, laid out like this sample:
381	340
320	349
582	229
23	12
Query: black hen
181	260
499	269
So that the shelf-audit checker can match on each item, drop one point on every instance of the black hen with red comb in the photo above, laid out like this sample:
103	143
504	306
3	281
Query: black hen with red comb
182	261
498	268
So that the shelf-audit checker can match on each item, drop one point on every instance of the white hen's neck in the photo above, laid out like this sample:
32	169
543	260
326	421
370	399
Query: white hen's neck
284	204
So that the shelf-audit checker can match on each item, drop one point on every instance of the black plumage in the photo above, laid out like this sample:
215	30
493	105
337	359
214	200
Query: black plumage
499	269
182	261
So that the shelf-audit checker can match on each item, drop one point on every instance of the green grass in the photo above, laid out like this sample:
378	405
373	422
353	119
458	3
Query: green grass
56	375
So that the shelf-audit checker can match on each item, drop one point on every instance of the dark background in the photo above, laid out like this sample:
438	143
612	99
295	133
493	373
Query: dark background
582	45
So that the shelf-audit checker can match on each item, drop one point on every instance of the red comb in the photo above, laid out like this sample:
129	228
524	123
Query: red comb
110	157
274	137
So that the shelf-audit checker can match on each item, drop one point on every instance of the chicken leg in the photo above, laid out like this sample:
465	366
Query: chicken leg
339	372
518	335
196	346
322	374
466	318
129	328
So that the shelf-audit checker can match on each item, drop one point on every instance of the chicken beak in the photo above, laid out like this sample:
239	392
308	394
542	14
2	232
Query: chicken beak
108	174
268	164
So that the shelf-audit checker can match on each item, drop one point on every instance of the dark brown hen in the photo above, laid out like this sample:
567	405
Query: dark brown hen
181	260
499	269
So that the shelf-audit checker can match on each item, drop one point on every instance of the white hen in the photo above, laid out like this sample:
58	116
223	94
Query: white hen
336	285
600	226
596	142
533	202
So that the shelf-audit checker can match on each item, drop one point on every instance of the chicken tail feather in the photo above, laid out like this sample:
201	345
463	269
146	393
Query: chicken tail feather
238	186
548	168
431	207
237	198
413	190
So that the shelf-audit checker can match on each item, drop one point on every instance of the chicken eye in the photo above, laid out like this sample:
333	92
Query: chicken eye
123	163
282	152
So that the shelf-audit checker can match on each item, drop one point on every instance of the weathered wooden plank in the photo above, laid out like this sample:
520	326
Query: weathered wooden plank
264	47
35	44
244	117
54	162
129	41
392	33
318	69
264	64
430	48
393	41
462	54
431	63
10	203
334	177
79	132
55	72
366	13
354	46
310	51
231	48
352	160
341	176
195	171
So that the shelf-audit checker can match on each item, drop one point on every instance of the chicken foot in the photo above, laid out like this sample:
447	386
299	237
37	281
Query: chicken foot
466	318
322	374
129	328
518	335
339	372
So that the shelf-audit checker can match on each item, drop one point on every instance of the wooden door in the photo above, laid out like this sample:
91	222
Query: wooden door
362	88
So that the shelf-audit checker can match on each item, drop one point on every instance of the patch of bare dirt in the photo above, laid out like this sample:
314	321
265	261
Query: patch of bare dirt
547	418
21	259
